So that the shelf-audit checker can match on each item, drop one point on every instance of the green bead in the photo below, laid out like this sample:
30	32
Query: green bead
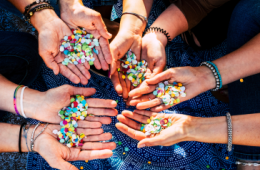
72	99
208	166
91	63
119	143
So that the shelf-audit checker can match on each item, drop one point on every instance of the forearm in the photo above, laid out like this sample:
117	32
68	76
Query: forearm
9	138
173	21
31	97
133	23
214	130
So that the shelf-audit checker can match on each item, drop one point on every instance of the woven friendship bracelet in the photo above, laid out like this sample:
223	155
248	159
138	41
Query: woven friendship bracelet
34	3
15	93
215	72
37	9
157	29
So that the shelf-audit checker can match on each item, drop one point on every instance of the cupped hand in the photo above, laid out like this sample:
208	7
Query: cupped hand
195	79
153	51
179	131
51	101
119	46
75	15
57	154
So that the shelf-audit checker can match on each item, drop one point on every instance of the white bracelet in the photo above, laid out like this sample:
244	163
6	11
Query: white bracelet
21	101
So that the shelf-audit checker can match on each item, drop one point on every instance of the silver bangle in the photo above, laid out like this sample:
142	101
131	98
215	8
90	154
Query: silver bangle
138	15
25	133
229	125
33	139
247	164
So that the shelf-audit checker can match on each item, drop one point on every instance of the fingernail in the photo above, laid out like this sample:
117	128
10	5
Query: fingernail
141	146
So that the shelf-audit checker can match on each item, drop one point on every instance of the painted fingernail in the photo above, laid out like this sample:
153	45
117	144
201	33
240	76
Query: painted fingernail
141	146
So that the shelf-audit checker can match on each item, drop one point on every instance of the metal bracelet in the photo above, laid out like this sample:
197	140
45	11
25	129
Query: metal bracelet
215	73
138	15
247	164
33	139
229	125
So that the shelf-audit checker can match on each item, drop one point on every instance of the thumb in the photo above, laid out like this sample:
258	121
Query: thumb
155	141
64	165
51	63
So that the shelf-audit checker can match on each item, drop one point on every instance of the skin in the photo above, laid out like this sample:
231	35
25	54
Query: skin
52	29
55	153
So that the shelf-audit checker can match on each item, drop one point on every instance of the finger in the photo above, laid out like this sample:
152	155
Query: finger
99	154
104	44
138	117
160	77
80	90
89	131
88	124
84	70
101	58
101	27
96	62
143	89
116	82
103	120
86	64
128	85
107	103
76	71
98	145
96	138
146	113
158	68
130	132
65	71
130	123
136	47
123	84
154	141
149	104
142	99
51	63
160	108
102	111
64	165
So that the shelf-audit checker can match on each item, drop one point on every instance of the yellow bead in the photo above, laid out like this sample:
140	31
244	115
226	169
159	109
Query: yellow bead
81	167
140	75
74	115
123	76
130	67
73	60
179	84
227	157
31	13
148	120
241	80
149	162
172	95
86	161
73	36
127	62
123	153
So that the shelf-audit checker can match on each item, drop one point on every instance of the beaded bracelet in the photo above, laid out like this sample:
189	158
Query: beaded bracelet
229	125
37	9
34	3
15	93
215	72
158	30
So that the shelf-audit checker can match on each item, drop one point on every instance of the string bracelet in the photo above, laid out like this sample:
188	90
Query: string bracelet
15	105
21	102
32	136
25	133
20	132
157	29
138	15
37	8
215	72
32	4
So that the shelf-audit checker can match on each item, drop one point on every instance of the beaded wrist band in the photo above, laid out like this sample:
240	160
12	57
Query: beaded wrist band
37	9
157	29
215	72
229	123
15	93
34	3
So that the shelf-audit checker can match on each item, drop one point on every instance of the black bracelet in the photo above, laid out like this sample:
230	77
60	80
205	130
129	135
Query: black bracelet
34	3
158	30
36	9
20	134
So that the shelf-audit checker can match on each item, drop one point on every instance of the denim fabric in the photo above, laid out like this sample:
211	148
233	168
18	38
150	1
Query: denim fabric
244	97
19	58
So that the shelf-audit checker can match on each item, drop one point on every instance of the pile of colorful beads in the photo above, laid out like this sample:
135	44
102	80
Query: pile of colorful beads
134	70
169	93
70	115
78	47
155	125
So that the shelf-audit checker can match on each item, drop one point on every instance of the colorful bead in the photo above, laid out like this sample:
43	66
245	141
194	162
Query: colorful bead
155	125
79	47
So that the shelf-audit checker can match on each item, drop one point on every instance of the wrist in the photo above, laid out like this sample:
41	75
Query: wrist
206	78
40	18
158	36
132	24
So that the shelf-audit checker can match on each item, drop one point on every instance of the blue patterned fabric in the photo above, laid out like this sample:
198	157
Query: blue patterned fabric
181	156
